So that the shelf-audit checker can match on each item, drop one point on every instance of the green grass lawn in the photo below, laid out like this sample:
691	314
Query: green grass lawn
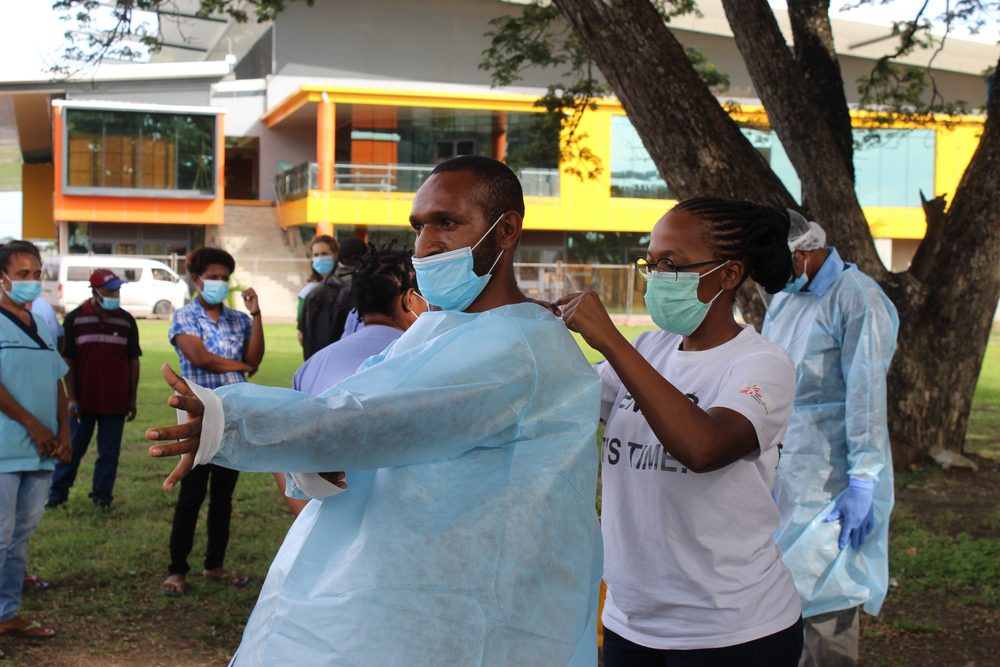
105	567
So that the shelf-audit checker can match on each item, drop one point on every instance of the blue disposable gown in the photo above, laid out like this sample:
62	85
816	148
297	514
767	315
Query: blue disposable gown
468	534
841	335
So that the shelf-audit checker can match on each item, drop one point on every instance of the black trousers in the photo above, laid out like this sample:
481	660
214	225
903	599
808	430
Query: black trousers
194	486
782	649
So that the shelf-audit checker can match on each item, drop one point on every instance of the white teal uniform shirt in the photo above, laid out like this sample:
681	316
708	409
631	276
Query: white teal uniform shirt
689	558
467	535
30	370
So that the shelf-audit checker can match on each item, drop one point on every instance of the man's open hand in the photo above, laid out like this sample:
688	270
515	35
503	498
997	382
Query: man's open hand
186	435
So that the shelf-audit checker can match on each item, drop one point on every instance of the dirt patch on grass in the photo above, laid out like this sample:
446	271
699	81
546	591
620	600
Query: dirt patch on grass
202	629
933	616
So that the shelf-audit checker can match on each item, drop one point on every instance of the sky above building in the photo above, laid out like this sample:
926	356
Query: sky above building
33	43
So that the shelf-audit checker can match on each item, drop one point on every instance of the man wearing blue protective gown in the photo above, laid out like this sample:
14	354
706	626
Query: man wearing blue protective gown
834	488
467	534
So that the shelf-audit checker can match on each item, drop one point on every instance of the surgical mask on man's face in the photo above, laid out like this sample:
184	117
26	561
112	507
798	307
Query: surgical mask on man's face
448	281
214	291
674	304
23	291
110	303
797	283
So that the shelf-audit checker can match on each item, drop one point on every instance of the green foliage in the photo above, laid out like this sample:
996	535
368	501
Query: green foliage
713	77
539	38
895	92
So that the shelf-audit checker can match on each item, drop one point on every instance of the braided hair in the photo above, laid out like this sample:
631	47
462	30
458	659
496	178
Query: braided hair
381	276
754	234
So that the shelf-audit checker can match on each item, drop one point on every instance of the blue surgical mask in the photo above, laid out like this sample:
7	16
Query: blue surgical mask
323	265
796	284
23	291
214	291
448	281
110	303
674	304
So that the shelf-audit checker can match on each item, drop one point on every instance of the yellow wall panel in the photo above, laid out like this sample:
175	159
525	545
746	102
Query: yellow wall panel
953	151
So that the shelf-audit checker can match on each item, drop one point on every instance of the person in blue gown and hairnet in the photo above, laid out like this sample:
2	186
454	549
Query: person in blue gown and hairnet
467	534
834	487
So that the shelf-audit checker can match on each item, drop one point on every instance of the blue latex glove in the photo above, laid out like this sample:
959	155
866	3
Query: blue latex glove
855	507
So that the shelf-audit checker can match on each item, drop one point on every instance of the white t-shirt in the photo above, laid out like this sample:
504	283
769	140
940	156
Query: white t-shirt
689	558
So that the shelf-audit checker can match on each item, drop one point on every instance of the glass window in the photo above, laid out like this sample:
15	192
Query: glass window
891	167
129	275
633	173
384	148
163	274
79	238
79	273
130	150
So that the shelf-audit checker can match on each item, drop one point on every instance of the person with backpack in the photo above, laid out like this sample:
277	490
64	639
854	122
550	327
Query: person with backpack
325	307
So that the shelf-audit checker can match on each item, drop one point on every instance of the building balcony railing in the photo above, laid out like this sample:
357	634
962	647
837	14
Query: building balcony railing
296	182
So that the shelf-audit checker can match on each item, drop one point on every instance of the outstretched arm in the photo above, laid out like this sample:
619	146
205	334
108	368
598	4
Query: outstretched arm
418	406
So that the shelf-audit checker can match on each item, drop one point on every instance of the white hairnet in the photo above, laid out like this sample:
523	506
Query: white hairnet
804	234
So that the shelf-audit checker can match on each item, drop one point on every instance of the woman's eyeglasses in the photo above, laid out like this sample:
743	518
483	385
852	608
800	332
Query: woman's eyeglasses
666	265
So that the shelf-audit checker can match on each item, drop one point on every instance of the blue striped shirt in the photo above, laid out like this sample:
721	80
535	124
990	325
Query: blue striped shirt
226	338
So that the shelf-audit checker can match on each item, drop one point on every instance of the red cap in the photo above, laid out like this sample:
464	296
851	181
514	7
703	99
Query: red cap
106	279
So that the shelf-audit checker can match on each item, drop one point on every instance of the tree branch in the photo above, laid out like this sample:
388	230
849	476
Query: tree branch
674	108
817	59
796	116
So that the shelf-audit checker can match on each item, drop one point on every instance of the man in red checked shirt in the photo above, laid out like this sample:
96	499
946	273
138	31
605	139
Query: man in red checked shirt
102	351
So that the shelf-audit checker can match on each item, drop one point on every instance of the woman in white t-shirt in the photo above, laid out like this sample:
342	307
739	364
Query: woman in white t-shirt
694	416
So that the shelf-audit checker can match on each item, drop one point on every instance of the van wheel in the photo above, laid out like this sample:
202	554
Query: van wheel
163	309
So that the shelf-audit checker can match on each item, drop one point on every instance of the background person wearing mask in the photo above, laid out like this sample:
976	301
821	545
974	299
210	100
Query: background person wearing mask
326	307
217	346
102	350
384	291
323	251
34	426
468	534
694	415
834	484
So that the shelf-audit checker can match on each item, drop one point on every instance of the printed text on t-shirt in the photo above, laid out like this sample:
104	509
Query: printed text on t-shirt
641	456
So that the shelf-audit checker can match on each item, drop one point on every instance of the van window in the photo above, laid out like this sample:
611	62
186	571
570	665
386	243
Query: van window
50	272
82	273
163	274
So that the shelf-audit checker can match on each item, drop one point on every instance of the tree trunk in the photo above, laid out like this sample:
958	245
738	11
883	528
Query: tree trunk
817	60
797	118
946	305
945	324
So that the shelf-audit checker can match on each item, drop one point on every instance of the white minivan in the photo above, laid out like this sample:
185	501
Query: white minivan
152	288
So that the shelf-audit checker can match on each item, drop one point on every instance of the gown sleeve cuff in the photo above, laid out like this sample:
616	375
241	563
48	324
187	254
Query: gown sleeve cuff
313	485
212	423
